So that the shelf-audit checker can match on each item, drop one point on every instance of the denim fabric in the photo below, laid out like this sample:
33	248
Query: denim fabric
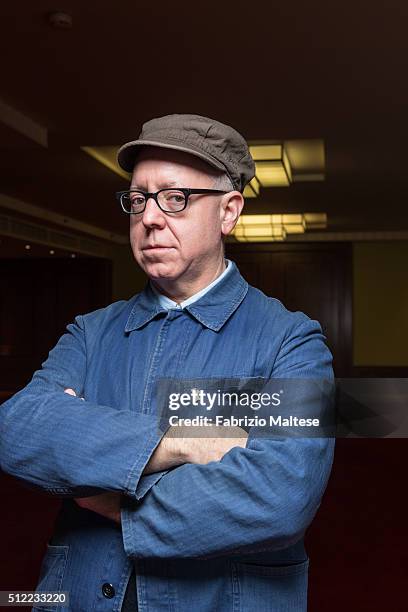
226	536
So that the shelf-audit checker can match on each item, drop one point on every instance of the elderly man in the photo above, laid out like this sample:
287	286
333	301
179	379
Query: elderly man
152	521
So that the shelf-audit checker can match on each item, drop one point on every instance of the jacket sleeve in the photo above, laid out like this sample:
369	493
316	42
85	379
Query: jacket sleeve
261	497
66	446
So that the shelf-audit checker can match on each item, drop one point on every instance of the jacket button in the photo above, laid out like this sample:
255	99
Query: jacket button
108	590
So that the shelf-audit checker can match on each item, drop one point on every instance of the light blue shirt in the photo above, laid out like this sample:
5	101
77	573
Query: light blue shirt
167	303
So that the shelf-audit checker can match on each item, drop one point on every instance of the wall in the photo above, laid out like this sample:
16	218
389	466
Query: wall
380	305
127	277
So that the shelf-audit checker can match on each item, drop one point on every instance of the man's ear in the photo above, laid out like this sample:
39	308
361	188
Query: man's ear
231	207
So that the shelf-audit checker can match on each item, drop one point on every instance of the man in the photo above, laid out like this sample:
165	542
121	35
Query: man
152	521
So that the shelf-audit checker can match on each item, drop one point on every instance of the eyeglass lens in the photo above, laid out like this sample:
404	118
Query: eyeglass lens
170	200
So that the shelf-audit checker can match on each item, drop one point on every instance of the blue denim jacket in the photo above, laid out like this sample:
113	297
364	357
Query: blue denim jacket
226	536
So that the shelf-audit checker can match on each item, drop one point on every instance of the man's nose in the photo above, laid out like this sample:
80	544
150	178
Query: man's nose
152	216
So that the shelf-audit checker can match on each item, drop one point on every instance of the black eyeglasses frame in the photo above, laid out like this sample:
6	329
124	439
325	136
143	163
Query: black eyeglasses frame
149	194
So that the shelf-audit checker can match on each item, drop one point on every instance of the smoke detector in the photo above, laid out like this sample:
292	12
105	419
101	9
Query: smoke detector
60	20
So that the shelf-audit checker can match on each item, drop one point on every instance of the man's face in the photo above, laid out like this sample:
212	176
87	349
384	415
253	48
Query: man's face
183	244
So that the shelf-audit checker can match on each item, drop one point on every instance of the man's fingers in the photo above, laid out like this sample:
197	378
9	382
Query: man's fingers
72	392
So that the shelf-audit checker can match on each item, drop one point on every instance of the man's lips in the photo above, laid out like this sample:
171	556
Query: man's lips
151	247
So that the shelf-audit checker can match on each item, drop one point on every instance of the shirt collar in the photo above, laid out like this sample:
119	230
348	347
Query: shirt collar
213	309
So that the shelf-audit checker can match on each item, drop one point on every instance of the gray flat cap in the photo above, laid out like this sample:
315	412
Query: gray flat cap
216	143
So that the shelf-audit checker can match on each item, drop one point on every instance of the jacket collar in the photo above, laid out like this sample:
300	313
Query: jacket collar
212	310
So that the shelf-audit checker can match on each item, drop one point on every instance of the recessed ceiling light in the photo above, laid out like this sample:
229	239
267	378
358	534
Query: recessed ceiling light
52	252
73	255
27	247
267	228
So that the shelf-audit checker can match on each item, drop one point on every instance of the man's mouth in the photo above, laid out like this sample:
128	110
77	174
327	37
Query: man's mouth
150	247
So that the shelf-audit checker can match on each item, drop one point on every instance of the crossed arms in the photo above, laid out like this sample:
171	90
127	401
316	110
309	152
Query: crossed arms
172	451
175	501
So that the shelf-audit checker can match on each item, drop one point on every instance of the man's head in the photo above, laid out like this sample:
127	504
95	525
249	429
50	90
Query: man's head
188	152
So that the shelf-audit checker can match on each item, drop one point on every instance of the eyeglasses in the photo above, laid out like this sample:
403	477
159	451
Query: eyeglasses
172	200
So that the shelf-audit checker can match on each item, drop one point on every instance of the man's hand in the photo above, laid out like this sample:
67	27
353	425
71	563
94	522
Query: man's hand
175	449
105	504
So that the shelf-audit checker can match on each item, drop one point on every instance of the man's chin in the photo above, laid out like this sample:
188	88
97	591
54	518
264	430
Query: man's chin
157	272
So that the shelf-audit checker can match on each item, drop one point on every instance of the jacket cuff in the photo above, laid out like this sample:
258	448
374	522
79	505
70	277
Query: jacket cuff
147	482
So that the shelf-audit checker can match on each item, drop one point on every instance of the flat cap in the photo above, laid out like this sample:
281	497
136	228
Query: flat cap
216	143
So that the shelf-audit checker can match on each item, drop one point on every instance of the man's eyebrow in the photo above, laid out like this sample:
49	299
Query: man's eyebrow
160	186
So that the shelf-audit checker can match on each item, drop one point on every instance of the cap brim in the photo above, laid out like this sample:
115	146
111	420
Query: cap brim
128	152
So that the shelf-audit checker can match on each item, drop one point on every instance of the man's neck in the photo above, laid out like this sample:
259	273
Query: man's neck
181	291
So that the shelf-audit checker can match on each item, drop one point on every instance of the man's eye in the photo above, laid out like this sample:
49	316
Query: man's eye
175	197
137	200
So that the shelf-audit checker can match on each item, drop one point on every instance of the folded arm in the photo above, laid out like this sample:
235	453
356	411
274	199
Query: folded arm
56	441
65	446
261	497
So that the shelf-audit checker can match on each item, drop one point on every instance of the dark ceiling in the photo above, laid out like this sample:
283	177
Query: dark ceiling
334	70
